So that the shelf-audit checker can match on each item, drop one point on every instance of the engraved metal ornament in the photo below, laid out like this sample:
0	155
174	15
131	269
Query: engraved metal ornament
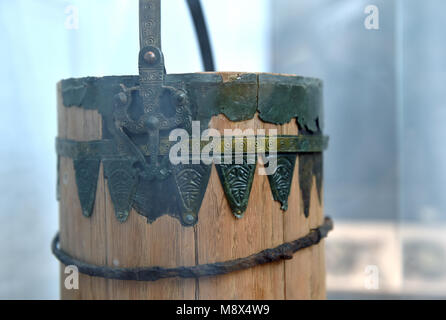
192	181
280	182
122	178
151	122
156	97
237	183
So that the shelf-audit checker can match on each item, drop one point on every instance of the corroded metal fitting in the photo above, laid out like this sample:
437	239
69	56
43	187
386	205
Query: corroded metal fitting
139	112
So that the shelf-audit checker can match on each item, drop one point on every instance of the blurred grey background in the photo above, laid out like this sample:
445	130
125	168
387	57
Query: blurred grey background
384	112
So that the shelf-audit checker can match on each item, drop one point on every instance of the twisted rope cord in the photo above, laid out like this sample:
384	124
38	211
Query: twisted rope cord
282	252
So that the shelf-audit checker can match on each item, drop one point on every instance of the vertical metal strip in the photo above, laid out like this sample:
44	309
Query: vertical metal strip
151	71
150	23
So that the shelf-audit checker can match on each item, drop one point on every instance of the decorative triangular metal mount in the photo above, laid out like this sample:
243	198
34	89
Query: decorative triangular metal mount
86	172
280	181
237	183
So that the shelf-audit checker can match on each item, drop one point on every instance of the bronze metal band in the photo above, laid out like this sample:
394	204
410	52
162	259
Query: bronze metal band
106	149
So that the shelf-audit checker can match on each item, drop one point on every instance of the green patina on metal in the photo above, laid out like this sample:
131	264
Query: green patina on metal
310	165
86	172
282	98
280	182
104	149
237	183
139	112
122	179
237	98
277	99
191	181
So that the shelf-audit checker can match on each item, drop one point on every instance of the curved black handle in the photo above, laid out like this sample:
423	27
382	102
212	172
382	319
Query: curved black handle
202	34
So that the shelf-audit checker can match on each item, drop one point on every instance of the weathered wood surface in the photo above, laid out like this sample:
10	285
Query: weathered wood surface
218	236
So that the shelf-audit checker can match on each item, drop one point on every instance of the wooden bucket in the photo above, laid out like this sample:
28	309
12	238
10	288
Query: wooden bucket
121	256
